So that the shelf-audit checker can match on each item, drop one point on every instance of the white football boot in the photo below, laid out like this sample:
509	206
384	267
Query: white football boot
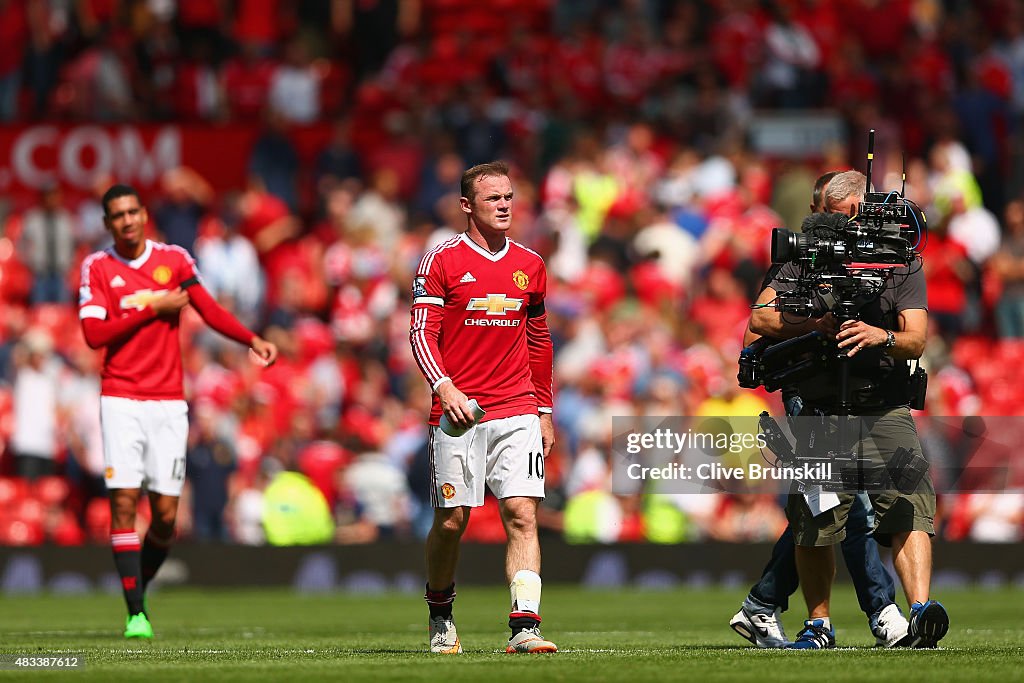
529	641
444	639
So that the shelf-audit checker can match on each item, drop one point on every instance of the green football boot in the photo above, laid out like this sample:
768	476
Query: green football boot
138	626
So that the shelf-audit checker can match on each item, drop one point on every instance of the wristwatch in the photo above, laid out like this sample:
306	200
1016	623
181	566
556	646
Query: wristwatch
890	339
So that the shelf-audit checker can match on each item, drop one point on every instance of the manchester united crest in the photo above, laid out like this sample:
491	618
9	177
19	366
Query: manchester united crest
448	491
521	280
162	275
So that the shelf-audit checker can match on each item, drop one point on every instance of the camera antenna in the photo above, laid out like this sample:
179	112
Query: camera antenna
871	157
903	188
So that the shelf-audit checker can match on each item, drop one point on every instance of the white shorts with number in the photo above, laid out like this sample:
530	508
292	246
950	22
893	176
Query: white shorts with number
144	443
505	453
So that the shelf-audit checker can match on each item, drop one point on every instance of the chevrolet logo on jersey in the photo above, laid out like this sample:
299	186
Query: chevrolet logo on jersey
141	298
494	304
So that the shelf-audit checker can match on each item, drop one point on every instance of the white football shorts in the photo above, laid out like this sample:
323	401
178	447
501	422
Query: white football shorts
144	443
506	454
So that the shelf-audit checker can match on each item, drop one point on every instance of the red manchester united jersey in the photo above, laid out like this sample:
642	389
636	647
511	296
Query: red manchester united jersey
146	364
478	319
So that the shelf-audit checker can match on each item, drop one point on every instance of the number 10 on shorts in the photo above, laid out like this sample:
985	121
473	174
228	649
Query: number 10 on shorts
535	465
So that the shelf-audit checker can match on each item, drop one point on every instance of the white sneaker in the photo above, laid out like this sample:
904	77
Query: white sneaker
892	627
762	630
443	637
529	641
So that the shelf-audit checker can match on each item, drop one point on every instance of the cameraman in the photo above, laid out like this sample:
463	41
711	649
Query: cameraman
892	331
758	618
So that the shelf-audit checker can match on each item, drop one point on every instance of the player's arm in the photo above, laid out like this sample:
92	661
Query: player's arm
220	320
765	321
425	335
99	330
538	342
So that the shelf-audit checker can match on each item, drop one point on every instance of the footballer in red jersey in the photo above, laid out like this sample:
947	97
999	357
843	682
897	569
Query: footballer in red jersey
479	333
130	301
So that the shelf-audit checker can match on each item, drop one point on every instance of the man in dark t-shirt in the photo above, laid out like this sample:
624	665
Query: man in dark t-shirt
878	379
890	332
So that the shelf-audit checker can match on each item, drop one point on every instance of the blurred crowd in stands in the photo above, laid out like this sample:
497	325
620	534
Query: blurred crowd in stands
625	124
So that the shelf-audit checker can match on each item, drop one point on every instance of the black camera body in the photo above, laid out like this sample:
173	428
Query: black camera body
885	231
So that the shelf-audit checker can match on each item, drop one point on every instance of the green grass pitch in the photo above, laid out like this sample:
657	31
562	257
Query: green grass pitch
630	635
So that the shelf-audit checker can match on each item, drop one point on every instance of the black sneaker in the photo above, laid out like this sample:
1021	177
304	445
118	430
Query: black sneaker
929	622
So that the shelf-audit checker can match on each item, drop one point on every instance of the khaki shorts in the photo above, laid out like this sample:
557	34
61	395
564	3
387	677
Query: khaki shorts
895	512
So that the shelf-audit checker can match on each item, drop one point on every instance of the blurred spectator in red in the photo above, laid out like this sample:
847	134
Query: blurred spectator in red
202	21
948	273
721	310
747	518
37	382
994	517
47	245
257	22
400	153
266	222
197	88
246	78
98	83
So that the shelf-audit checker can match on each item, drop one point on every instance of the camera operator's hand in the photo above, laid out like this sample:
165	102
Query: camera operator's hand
826	324
856	335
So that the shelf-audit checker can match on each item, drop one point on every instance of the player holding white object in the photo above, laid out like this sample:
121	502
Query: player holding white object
479	331
130	300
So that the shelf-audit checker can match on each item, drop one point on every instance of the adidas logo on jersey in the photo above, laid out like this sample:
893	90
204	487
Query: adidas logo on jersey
117	281
468	277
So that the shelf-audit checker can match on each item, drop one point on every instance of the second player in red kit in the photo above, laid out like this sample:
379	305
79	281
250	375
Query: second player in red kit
130	302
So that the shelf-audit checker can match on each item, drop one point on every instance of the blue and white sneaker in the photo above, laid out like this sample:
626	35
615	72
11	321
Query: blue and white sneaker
929	622
814	636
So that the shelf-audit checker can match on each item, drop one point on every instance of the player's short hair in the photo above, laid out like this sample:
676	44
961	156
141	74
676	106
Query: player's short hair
116	192
817	197
492	168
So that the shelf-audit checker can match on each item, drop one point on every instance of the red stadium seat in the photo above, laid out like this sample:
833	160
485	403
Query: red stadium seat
20	533
52	490
12	490
97	520
30	510
67	531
